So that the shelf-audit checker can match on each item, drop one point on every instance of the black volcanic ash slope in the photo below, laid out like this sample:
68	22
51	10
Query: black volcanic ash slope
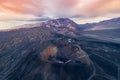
42	53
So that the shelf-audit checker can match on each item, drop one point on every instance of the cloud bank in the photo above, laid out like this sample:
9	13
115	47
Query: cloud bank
31	9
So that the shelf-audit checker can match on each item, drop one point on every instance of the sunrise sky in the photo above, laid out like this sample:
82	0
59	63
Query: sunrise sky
17	12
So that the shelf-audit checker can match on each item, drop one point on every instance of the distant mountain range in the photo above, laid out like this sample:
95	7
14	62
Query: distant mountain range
103	25
66	23
108	30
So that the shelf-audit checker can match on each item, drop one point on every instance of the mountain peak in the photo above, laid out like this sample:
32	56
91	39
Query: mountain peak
60	23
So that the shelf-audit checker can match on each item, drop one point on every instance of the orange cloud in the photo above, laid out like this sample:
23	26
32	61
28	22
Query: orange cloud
67	3
98	7
59	8
113	5
67	8
22	6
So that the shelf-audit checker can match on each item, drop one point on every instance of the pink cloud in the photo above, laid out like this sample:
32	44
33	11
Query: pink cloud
22	6
60	8
98	7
